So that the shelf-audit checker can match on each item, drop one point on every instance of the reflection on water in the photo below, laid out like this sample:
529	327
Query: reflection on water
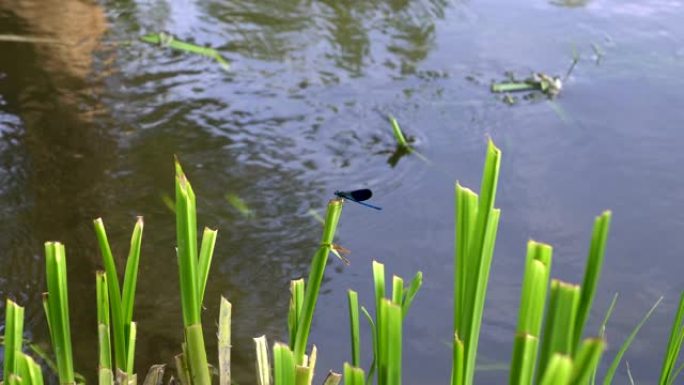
88	128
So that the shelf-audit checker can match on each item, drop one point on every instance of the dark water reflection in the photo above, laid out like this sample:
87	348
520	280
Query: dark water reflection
88	128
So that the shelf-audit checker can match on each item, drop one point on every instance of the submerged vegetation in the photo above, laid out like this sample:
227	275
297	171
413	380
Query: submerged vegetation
549	346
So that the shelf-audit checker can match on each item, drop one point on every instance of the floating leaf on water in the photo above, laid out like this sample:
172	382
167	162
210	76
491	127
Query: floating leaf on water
539	81
167	40
239	205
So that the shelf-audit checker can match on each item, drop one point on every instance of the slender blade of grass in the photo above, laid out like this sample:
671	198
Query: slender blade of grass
205	256
295	310
602	329
592	273
374	338
131	274
466	214
132	335
224	341
458	364
118	329
397	290
610	373
313	284
479	252
353	301
58	299
186	234
394	343
30	371
380	310
586	359
283	365
411	292
524	358
14	330
559	325
262	363
398	133
674	346
197	357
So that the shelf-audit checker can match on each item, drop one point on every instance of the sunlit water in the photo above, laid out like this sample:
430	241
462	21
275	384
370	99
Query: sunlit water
89	128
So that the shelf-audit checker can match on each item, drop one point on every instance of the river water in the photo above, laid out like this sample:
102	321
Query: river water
90	119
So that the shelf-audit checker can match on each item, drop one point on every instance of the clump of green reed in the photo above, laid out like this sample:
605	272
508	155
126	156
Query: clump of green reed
19	368
670	371
386	329
194	272
120	300
56	306
563	359
291	364
476	226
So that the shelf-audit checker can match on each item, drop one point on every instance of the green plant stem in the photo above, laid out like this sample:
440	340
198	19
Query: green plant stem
313	284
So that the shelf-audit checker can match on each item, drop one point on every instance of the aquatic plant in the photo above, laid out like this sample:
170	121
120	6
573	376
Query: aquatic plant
56	306
548	347
194	272
165	39
120	300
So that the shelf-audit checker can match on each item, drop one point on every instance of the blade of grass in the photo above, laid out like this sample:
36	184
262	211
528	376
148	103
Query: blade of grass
353	301
398	133
283	365
602	328
394	343
610	373
523	360
132	335
374	338
295	310
114	296
186	235
58	309
131	273
674	346
381	348
558	334
411	292
197	357
586	359
262	363
224	340
105	373
397	290
205	256
29	370
592	273
316	273
14	330
479	254
458	363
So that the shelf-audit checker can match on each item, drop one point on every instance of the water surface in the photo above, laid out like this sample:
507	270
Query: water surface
90	122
